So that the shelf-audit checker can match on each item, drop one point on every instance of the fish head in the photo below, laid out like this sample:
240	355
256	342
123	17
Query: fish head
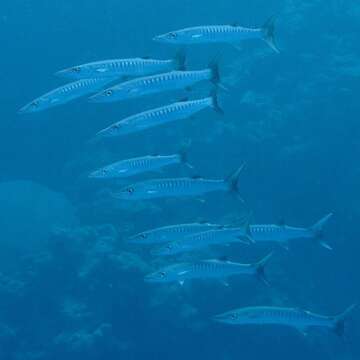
162	275
103	173
75	72
35	106
130	192
111	131
184	36
230	317
237	316
140	238
106	96
171	248
172	37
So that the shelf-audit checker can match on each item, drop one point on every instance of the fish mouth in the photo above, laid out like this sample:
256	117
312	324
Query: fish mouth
149	278
159	38
23	110
62	73
219	318
95	99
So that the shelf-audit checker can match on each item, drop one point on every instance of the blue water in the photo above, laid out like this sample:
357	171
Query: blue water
72	287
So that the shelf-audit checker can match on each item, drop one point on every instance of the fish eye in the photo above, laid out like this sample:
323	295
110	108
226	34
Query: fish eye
143	236
76	69
169	247
233	316
108	92
104	171
35	104
173	35
162	274
130	190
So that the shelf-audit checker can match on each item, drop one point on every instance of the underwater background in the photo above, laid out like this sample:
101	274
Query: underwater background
72	287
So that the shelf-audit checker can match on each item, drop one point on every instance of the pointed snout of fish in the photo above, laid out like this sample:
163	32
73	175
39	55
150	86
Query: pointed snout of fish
159	37
24	110
149	278
95	98
219	318
61	73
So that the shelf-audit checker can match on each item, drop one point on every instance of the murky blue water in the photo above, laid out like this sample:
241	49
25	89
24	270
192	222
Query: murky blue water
72	287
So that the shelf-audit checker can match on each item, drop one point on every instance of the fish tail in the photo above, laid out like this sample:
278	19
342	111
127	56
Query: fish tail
215	102
233	180
318	230
339	320
214	66
183	155
268	30
180	60
260	269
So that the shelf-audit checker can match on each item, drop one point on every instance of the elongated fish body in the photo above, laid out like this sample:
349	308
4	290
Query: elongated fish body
65	94
156	117
292	317
152	84
206	269
176	187
119	68
135	166
278	233
285	234
171	233
230	34
203	240
211	34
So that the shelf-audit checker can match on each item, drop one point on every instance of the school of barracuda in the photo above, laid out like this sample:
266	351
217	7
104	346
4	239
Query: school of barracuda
121	79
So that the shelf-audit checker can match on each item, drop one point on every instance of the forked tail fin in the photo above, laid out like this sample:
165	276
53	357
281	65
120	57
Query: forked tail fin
260	269
215	102
268	30
183	155
339	320
233	180
180	60
216	75
318	230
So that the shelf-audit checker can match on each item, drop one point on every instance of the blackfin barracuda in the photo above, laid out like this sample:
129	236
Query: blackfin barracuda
171	233
208	269
139	165
117	68
65	94
159	83
159	116
299	319
230	34
178	187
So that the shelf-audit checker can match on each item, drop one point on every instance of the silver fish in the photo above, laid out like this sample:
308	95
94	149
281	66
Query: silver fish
205	239
139	165
159	83
299	319
65	94
159	116
171	233
230	34
284	233
208	269
123	68
178	187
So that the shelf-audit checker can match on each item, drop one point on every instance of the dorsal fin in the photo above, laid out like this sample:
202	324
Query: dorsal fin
146	57
196	177
234	24
184	99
